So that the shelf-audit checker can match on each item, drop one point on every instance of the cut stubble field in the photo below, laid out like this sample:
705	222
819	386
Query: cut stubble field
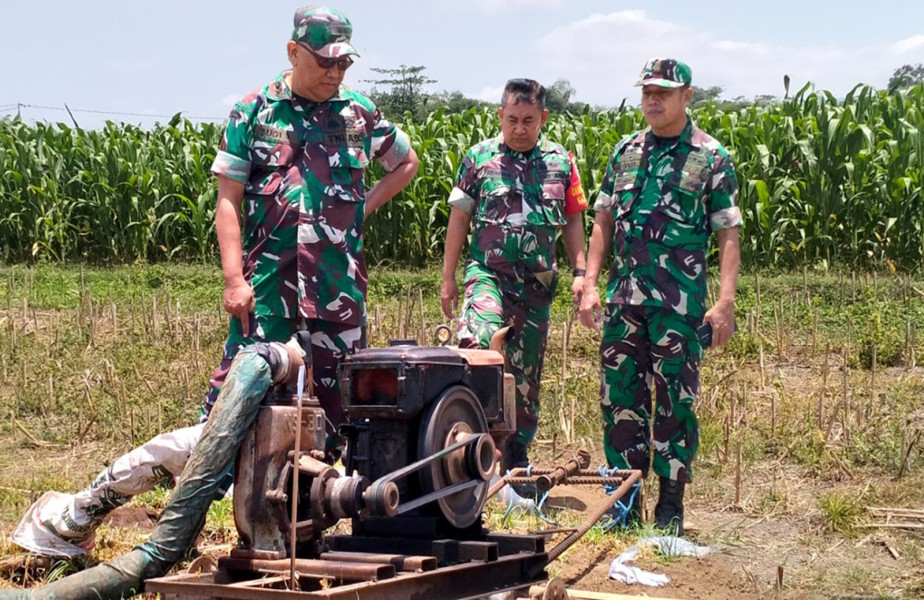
807	482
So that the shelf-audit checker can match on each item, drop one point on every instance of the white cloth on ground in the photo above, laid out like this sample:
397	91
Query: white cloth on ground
667	545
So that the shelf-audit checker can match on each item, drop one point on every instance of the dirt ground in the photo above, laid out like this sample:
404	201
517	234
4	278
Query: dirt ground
751	555
712	576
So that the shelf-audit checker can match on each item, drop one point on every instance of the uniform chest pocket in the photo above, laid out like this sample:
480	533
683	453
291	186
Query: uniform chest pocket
551	208
271	165
347	166
688	187
625	196
495	205
681	221
686	204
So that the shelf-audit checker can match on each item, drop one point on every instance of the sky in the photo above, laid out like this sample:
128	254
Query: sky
123	60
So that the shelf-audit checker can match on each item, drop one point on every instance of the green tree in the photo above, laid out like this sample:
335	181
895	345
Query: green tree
454	102
703	96
906	76
558	95
405	90
558	98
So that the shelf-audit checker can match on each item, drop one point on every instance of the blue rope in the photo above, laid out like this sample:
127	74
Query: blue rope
619	513
615	517
537	501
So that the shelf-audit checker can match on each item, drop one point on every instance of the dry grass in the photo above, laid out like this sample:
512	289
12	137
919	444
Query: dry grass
779	435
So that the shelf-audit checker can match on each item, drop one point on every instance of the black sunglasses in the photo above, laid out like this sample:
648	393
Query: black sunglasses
342	63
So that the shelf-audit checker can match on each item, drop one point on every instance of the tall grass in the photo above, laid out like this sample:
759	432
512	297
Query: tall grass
823	180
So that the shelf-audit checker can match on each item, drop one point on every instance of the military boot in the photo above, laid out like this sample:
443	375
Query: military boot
669	510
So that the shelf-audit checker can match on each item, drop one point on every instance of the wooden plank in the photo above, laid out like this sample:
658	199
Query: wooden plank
259	582
536	591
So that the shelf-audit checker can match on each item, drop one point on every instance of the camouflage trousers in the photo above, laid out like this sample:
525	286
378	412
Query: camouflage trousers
64	525
643	346
492	302
329	343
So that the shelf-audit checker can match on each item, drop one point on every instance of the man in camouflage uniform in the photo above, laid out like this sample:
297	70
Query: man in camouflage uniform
292	162
520	189
666	189
291	165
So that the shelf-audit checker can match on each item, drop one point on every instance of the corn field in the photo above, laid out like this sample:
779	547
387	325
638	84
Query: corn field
823	181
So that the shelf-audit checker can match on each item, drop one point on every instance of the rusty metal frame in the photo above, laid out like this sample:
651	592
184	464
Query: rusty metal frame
456	582
499	562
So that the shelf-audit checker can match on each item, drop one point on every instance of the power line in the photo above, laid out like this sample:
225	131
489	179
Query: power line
111	112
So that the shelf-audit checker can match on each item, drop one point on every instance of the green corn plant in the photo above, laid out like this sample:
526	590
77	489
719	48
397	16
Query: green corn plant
822	180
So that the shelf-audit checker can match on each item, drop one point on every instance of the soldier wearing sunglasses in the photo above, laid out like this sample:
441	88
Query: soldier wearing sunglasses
291	166
291	206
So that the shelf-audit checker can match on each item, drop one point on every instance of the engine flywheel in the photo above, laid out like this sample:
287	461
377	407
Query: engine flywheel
454	416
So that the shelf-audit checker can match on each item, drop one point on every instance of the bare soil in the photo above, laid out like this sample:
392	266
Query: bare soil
751	549
752	553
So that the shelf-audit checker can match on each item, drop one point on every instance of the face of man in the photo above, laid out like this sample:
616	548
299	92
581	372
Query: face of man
666	109
521	124
314	77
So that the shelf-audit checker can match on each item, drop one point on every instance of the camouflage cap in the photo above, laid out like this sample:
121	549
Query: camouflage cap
324	30
665	72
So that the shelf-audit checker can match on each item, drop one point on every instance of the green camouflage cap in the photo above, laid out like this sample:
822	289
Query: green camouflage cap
665	72
324	30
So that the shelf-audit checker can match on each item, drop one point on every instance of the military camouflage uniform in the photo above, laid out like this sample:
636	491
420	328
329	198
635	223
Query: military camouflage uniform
302	164
518	202
302	167
667	196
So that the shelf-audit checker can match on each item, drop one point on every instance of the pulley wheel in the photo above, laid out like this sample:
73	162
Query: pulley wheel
456	412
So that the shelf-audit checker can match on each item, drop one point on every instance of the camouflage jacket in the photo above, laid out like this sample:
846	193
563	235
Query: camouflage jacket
666	196
518	202
302	165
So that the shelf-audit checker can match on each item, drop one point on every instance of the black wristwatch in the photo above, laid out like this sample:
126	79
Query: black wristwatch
579	272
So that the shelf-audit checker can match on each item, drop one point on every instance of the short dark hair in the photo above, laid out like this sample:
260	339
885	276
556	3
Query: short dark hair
524	90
